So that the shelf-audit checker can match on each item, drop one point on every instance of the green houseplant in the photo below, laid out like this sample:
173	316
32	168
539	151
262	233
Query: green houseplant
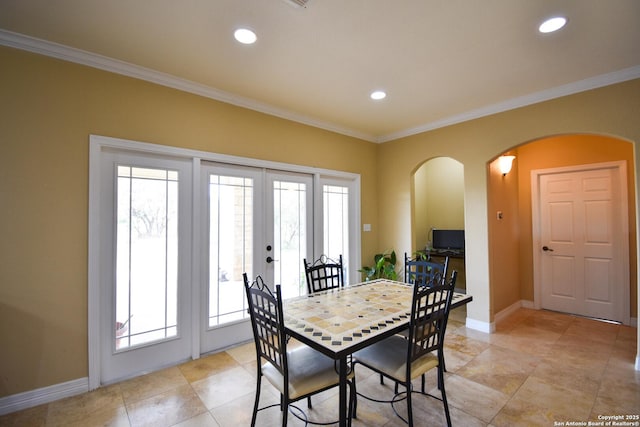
384	267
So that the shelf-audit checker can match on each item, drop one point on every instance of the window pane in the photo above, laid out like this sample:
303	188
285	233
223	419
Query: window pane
230	246
290	239
147	256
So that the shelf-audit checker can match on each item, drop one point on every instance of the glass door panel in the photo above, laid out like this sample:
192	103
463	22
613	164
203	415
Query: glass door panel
292	221
231	246
335	208
146	256
231	204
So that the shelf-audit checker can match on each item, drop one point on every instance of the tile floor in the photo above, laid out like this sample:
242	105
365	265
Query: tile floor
539	369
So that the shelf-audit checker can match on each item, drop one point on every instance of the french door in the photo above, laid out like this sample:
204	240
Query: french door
144	271
257	222
171	232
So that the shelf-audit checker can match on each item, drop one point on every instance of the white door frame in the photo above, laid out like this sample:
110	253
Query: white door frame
620	172
98	144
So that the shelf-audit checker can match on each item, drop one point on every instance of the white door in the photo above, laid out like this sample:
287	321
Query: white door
256	221
583	263
145	263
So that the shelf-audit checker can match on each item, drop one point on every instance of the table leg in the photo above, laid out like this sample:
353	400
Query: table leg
343	393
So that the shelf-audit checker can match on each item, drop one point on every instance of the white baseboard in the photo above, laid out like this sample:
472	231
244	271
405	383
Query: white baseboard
490	328
29	399
481	326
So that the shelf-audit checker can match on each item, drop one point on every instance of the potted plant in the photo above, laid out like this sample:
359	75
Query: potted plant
384	267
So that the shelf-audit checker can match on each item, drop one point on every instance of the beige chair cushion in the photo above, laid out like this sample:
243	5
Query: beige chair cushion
390	357
309	371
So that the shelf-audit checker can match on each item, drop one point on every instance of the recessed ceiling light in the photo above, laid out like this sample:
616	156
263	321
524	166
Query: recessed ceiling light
378	94
245	36
552	24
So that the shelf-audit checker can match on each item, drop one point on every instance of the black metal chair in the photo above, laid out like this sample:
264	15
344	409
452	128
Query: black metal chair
324	273
402	359
297	373
420	270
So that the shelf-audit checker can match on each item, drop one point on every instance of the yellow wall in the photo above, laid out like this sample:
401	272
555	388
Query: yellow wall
611	110
504	236
48	109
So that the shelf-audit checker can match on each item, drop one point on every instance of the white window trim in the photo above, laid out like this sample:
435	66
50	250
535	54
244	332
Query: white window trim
99	143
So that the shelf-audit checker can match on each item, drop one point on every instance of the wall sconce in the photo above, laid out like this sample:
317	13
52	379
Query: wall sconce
505	163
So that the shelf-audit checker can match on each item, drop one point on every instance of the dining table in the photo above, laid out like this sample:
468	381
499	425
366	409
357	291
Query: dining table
341	321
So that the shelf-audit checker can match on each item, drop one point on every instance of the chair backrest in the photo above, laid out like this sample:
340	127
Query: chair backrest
267	322
421	271
429	314
324	274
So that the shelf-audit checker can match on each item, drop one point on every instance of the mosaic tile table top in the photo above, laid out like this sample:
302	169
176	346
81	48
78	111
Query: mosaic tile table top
341	318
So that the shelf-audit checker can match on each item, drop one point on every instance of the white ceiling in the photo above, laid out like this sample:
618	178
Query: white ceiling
440	61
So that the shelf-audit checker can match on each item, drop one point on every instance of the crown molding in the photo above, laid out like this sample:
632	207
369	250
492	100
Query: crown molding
522	101
66	53
78	56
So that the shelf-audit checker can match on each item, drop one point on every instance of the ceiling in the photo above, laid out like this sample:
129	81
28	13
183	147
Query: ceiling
440	61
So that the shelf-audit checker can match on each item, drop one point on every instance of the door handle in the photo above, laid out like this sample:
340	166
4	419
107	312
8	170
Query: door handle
547	249
270	260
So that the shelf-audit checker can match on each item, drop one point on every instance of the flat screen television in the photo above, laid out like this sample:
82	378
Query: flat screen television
448	239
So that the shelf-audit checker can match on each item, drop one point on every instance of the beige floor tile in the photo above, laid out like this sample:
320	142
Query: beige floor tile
460	350
73	410
627	334
111	417
472	334
148	385
372	413
514	319
202	420
166	409
225	386
501	369
464	344
475	399
526	339
520	413
243	353
619	391
561	402
238	412
207	366
548	321
568	376
31	417
580	357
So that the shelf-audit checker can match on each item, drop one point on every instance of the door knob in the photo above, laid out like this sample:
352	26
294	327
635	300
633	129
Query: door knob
269	259
547	249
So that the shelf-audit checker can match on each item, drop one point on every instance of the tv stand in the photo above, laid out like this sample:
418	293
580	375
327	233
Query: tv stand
451	253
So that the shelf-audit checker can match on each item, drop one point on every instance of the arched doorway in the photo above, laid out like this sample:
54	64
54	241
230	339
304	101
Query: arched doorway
511	238
438	203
